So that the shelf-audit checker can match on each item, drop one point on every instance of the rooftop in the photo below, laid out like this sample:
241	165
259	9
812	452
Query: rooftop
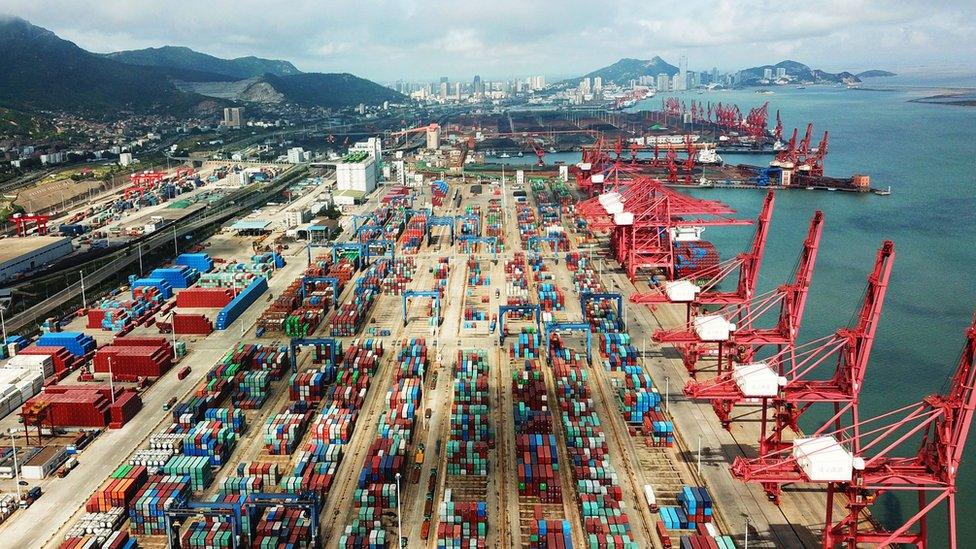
250	225
15	247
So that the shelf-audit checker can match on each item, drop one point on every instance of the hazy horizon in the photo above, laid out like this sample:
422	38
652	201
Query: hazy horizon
410	40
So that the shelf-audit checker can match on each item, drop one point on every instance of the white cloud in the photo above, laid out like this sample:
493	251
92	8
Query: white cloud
388	39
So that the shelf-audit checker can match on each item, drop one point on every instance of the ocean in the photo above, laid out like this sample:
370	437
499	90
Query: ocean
927	154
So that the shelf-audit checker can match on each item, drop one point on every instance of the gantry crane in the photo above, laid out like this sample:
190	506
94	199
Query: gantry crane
786	398
642	216
868	459
707	292
735	330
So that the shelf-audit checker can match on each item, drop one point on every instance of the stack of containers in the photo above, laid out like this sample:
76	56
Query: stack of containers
192	324
118	490
536	457
616	350
400	274
40	363
516	283
271	359
707	541
376	492
527	345
199	262
129	362
210	533
196	468
413	236
99	530
62	360
241	302
545	534
147	511
17	386
691	258
178	277
204	298
231	417
470	432
475	276
697	504
284	430
77	343
441	271
211	439
349	318
281	526
461	524
527	224
76	405
309	386
598	488
164	288
125	407
551	297
253	389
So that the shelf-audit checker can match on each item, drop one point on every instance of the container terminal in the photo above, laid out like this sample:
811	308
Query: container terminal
309	359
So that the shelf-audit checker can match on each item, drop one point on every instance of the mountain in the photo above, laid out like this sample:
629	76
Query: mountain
796	72
875	73
329	90
40	71
185	58
628	69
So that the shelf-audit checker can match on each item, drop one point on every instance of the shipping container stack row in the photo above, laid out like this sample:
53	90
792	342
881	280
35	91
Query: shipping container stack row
527	223
540	490
517	285
414	235
118	315
598	489
462	513
694	512
349	318
376	491
441	271
493	220
477	274
276	315
131	358
471	227
332	427
401	272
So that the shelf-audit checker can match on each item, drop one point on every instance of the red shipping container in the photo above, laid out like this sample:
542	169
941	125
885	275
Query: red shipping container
132	361
63	360
192	324
211	298
126	406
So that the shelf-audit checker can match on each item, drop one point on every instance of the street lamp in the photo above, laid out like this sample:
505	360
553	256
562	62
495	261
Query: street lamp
667	394
84	302
399	525
3	323
699	452
13	446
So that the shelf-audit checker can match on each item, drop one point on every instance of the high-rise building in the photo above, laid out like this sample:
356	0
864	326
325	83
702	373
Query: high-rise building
234	117
715	79
682	81
662	82
584	86
597	84
539	82
442	93
477	86
767	74
780	72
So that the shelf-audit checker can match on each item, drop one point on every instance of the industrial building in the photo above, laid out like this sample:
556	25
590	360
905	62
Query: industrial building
356	171
24	254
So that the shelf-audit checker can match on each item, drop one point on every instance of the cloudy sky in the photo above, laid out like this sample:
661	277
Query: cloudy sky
414	39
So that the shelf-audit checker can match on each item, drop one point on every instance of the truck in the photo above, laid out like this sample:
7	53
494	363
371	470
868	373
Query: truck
30	497
169	404
70	464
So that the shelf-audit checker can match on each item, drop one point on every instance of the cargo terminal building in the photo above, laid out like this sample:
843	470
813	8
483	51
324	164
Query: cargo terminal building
21	255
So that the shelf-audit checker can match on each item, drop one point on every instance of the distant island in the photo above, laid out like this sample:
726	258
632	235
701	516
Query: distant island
875	73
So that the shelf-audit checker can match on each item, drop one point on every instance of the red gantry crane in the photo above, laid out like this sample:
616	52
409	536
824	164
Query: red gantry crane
869	458
735	330
706	291
642	214
788	396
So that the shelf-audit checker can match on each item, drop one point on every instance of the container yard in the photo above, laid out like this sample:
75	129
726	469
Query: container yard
502	369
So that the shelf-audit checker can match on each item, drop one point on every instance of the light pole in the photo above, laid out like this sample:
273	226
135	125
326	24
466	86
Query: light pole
176	247
399	525
746	545
84	302
667	394
140	259
111	379
13	446
699	453
3	324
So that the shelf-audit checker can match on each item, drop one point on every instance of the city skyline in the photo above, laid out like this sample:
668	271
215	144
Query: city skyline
425	40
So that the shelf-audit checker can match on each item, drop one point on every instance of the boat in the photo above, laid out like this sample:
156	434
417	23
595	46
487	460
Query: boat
885	192
552	150
520	154
801	87
504	155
